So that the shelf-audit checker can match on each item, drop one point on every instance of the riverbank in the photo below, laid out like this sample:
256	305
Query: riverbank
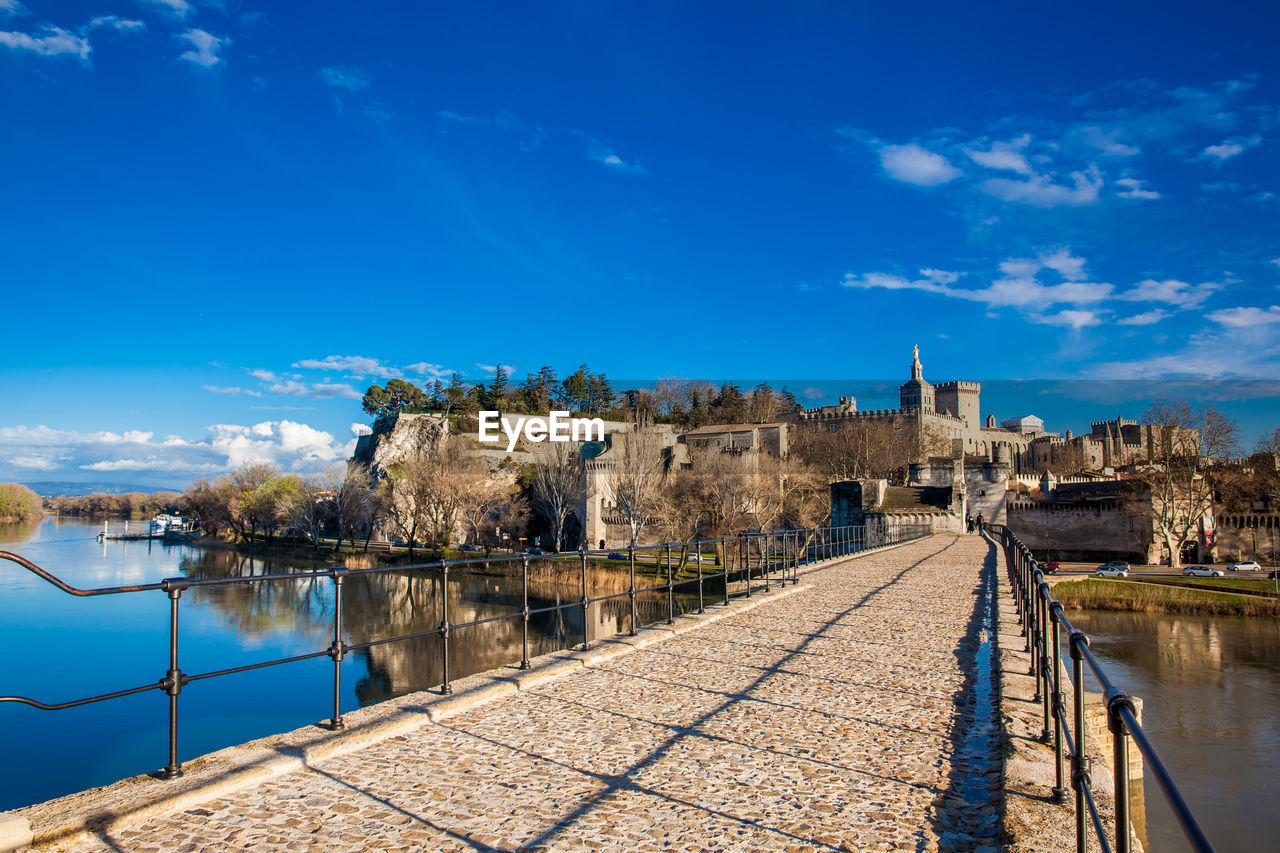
1133	597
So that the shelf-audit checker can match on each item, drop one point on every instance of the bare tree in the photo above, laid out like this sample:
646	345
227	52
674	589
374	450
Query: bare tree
635	477
1186	440
309	506
559	482
1269	443
353	496
403	497
880	448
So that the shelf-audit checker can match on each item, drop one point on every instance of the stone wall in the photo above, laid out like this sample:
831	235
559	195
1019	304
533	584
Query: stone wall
1078	532
1251	536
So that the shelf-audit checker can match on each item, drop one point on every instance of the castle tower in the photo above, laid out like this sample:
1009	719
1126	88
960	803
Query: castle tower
962	399
916	394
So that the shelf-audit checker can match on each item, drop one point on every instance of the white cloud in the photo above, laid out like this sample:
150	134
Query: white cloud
264	375
493	368
316	390
1041	191
53	41
39	463
355	364
1018	287
177	8
915	165
233	391
1107	143
1275	261
1243	318
12	7
152	463
1004	156
1147	318
116	23
1063	263
206	47
1071	318
361	429
291	445
351	79
1133	189
1229	148
424	368
607	157
1171	292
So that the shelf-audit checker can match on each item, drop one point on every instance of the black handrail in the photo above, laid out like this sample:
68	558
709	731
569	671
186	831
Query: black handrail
750	557
1041	615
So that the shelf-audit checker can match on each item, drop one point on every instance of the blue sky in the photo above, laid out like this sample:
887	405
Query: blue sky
220	221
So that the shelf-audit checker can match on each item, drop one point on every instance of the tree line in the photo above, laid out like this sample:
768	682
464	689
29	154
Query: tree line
681	402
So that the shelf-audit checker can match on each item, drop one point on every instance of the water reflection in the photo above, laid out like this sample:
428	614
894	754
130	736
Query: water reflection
1211	688
68	647
384	605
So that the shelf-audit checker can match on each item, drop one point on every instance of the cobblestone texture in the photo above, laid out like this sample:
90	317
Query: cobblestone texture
829	719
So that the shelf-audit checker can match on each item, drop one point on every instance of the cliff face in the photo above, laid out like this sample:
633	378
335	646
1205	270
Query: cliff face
395	438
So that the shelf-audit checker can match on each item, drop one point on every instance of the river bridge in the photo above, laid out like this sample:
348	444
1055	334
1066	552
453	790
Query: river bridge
854	708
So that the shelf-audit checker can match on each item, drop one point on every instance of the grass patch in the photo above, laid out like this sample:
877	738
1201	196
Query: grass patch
1157	598
1255	586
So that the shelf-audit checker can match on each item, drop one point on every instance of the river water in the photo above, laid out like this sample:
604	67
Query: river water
1211	693
59	647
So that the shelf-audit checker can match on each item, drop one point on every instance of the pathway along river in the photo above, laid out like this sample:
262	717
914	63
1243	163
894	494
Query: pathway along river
1211	693
59	647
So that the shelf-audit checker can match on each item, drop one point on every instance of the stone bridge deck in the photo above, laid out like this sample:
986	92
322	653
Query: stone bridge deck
836	717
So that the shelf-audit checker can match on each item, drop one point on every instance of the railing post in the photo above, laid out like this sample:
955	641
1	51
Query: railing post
524	612
1116	699
1035	641
764	558
698	550
745	550
631	558
671	599
724	567
1080	778
174	679
445	687
582	561
1045	690
1059	771
337	650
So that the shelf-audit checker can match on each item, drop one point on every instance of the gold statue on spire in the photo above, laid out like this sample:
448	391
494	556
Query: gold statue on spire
915	352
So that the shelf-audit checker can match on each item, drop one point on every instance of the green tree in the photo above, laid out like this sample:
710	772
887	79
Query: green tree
575	390
17	501
495	395
729	406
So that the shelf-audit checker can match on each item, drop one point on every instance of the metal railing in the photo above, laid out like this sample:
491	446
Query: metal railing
750	559
1043	623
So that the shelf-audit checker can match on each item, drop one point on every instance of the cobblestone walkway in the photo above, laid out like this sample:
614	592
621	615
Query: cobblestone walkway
834	718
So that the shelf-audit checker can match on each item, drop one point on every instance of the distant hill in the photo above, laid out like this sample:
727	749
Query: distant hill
54	488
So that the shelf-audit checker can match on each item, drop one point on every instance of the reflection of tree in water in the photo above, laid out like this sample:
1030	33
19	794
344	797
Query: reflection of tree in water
383	605
302	607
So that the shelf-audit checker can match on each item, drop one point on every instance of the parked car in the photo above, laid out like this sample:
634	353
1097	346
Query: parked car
1113	569
1247	566
1202	572
469	547
1051	567
535	552
617	555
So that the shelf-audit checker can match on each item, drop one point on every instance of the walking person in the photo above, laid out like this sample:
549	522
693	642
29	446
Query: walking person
968	521
981	526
